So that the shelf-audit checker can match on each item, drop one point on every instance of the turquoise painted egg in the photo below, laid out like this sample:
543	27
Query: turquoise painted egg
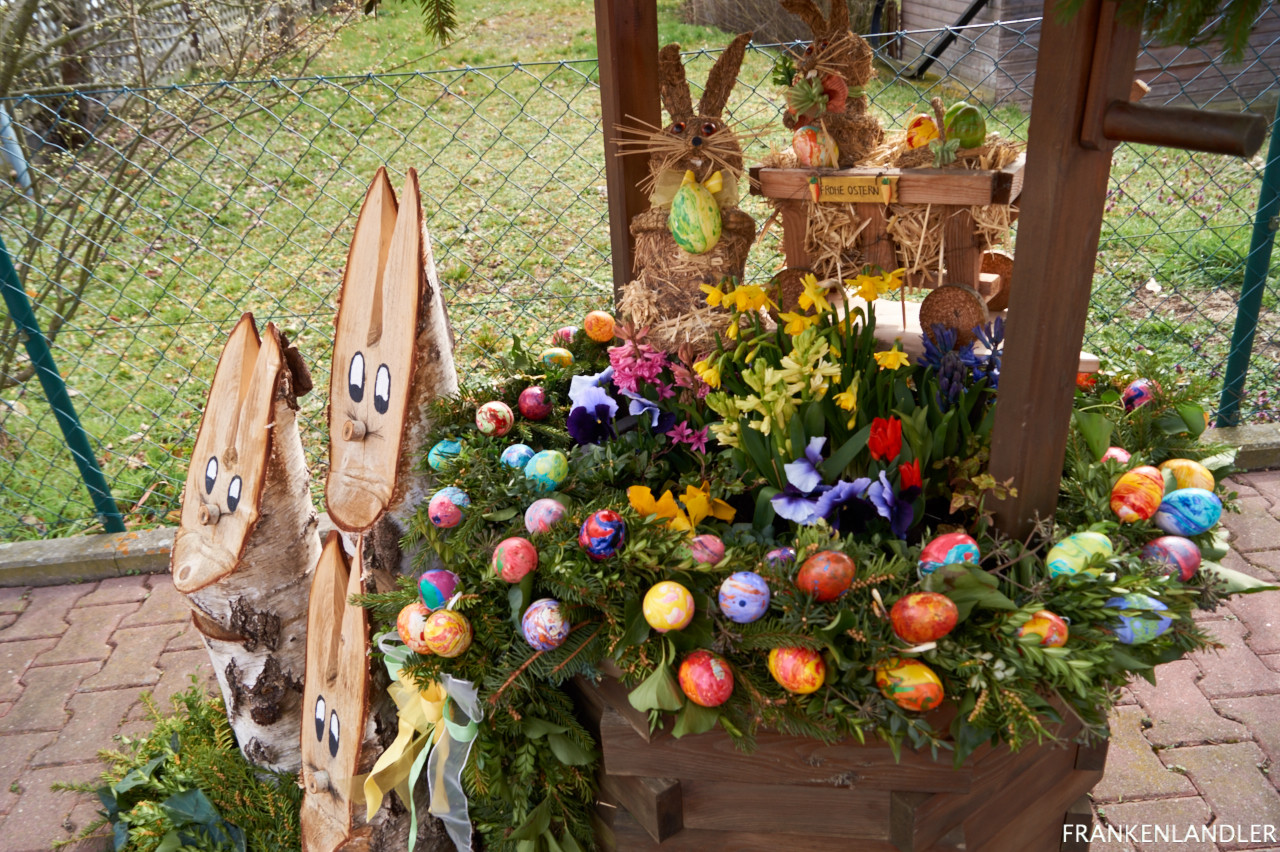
602	534
1073	554
706	678
514	558
1189	474
780	556
1138	393
517	456
952	548
1144	627
534	403
447	505
1137	493
1174	554
544	626
443	453
548	469
557	357
495	418
668	606
543	514
706	549
1188	511
436	587
744	597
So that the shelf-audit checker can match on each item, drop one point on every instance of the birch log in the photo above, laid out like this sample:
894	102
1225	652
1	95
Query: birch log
247	540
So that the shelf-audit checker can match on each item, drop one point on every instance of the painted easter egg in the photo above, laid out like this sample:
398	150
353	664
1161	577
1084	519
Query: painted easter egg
517	456
447	633
909	683
447	506
1073	553
965	123
814	147
826	575
599	326
1138	393
495	418
780	556
668	606
1116	454
548	469
1174	554
410	624
1137	494
694	221
513	558
1189	474
436	587
602	534
948	549
1188	511
921	130
1051	629
543	514
557	357
705	678
443	453
1139	629
534	403
923	617
564	335
544	626
707	549
744	597
798	670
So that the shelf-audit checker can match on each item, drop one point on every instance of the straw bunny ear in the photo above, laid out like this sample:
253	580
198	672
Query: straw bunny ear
839	20
723	77
673	85
808	11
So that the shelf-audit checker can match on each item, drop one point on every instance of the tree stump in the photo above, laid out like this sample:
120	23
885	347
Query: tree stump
248	538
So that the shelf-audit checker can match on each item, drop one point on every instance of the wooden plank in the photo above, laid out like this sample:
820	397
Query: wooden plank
915	186
654	803
625	835
795	224
615	694
1066	185
1077	823
875	242
1040	794
627	41
960	251
773	809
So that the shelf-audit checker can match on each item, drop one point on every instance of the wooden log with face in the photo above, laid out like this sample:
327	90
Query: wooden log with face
248	538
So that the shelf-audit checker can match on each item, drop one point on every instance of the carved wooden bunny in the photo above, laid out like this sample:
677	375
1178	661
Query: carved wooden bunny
839	62
693	160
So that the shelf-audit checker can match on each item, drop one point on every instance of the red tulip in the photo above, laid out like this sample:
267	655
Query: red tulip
886	438
910	474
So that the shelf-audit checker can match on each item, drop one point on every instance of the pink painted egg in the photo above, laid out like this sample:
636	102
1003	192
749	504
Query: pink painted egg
447	633
797	670
952	548
1050	628
668	606
514	558
410	624
599	326
909	683
826	575
707	549
814	148
1174	554
563	336
544	626
534	403
706	679
543	514
447	505
436	587
923	617
1189	474
495	418
1138	393
1116	454
1137	494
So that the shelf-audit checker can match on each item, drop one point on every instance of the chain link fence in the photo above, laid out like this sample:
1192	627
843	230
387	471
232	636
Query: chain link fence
160	215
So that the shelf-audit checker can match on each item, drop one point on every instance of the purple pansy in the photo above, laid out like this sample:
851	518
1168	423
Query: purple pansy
803	473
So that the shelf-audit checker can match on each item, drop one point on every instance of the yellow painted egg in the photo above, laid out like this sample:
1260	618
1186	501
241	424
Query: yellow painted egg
798	670
599	326
447	633
1189	474
1137	494
557	356
668	606
909	683
921	130
1073	553
1051	629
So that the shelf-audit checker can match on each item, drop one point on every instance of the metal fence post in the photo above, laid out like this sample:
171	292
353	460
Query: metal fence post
55	390
1255	279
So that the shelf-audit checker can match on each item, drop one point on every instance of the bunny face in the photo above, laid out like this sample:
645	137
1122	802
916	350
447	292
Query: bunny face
834	49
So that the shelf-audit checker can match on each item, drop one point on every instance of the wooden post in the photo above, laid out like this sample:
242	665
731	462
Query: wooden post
627	39
1062	206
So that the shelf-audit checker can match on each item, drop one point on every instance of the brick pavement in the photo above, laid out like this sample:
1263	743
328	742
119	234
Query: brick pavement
1203	746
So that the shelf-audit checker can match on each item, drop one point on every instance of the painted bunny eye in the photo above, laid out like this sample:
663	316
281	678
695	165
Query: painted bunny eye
822	45
382	389
709	128
808	51
333	734
233	494
677	128
319	718
210	474
355	377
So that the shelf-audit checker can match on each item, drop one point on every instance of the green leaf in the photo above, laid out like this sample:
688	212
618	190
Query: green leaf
1217	548
637	629
798	442
535	728
569	843
520	596
814	422
191	806
659	691
1238	582
1096	431
1219	461
968	587
842	457
1170	423
764	513
537	823
569	752
120	836
694	719
757	447
171	842
138	777
1193	416
501	515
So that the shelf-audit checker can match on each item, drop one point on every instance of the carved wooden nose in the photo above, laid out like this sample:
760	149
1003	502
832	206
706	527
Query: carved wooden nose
353	430
318	781
209	514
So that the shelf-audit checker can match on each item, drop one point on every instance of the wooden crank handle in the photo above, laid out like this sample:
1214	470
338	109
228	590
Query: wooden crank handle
1210	131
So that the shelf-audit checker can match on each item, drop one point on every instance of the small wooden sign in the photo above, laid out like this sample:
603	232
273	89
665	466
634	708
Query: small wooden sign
850	189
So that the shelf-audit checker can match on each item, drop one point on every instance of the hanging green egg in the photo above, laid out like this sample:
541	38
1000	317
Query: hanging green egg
694	220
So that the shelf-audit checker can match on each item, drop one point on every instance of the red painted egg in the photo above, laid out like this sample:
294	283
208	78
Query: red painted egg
909	683
826	575
534	403
1175	555
706	679
1050	628
798	670
514	558
921	130
1137	494
923	617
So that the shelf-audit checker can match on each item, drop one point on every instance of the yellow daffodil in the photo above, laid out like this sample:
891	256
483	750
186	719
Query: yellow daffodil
714	294
865	286
708	372
813	295
890	281
699	503
752	297
892	360
848	400
641	499
796	323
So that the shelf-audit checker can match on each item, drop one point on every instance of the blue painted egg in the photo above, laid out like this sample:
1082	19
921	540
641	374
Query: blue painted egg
543	625
1139	629
517	456
603	534
948	549
744	597
543	514
548	469
447	506
443	452
1073	553
706	549
436	587
1188	511
780	556
1138	393
1174	554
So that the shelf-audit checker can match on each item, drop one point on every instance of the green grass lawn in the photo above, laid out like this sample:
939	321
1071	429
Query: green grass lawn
255	215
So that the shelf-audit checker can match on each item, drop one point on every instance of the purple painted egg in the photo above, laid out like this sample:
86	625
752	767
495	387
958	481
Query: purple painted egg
668	606
948	549
1138	393
514	558
603	534
436	587
744	597
1150	623
1174	554
544	626
543	514
446	507
707	549
534	403
705	678
780	556
495	418
1116	454
517	456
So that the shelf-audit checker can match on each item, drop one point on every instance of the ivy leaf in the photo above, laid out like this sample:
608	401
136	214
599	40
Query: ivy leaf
967	588
519	597
1171	423
569	752
1238	582
535	728
694	719
659	691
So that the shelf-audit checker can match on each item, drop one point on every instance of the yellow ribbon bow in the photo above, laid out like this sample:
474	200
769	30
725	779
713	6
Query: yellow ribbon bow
421	715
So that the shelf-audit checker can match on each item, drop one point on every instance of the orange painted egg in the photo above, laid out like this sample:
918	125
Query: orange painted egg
410	624
1189	474
706	679
599	326
1137	494
923	617
447	633
668	606
1050	628
908	683
814	148
798	670
826	575
921	130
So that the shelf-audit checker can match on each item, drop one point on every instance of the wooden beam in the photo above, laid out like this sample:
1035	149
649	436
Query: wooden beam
1062	206
627	39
